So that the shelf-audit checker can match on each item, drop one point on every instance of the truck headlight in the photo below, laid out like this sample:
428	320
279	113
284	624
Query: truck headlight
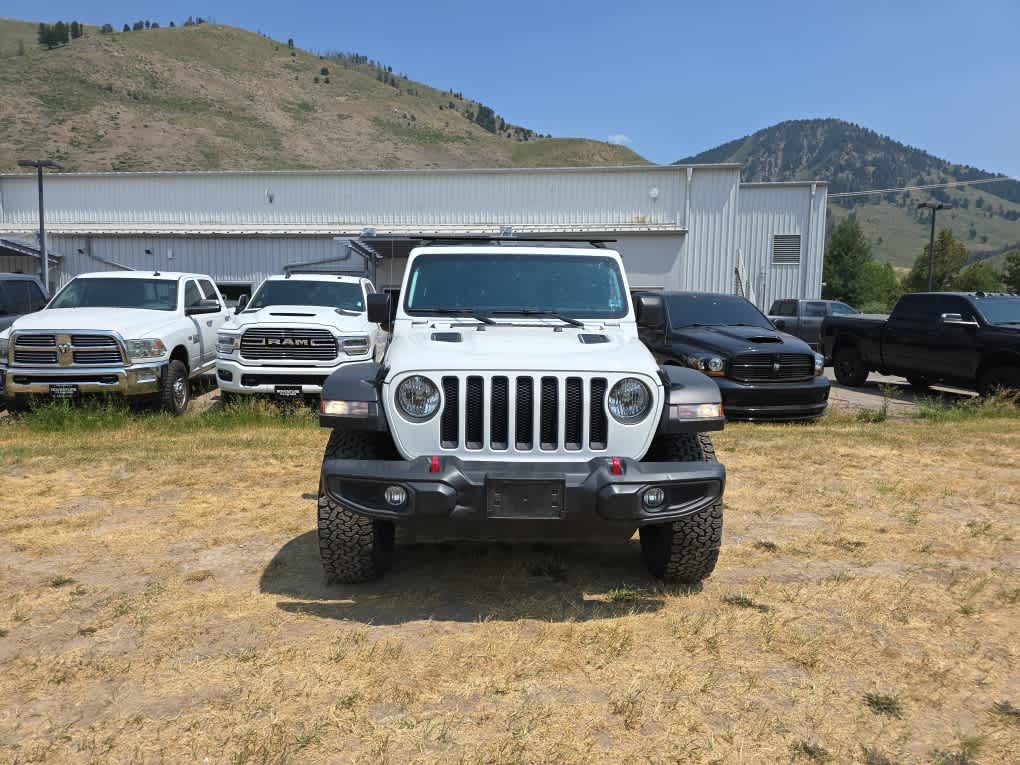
819	364
148	348
418	397
3	348
629	400
226	343
713	366
354	346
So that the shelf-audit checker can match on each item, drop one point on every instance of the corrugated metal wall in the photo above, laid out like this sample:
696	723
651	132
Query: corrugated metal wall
577	197
707	257
770	209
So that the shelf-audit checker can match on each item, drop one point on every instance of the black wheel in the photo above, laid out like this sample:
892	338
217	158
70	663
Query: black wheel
175	391
996	379
849	367
353	548
916	381
685	550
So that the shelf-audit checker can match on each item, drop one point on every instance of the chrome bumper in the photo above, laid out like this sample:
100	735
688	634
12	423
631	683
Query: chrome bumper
134	380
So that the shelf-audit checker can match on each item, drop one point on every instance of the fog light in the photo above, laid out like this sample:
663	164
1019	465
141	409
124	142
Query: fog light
146	376
396	495
654	497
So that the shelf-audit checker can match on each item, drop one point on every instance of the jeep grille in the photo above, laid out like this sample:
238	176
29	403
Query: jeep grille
568	413
289	344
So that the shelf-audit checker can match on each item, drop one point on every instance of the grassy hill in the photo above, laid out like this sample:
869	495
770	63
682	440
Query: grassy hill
852	158
216	97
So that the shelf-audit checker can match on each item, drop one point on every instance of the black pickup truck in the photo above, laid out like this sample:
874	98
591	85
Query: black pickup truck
966	339
762	374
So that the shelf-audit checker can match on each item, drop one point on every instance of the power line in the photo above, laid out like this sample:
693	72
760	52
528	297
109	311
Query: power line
998	179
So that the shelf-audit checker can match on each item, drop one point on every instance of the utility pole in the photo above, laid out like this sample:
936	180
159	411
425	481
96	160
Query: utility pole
934	207
40	165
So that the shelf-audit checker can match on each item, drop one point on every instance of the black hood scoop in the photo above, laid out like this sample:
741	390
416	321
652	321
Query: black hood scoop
292	314
765	339
447	337
591	339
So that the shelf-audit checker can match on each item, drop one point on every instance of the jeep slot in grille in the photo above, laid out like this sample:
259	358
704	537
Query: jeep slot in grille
568	413
289	344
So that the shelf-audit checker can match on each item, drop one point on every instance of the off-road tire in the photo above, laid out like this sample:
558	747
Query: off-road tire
849	367
353	548
999	379
175	389
916	381
686	550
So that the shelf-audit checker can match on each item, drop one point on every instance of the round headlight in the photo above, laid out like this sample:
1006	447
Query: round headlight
418	397
629	399
715	364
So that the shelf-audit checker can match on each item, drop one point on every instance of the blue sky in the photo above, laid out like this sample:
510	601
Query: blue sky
671	78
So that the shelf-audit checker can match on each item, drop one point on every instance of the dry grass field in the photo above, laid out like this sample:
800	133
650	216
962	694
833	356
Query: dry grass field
161	601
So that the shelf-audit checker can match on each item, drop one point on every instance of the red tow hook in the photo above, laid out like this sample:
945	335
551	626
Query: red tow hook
434	464
615	467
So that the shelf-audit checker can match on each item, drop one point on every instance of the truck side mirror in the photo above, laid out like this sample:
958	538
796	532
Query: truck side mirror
378	305
203	306
242	301
650	311
780	324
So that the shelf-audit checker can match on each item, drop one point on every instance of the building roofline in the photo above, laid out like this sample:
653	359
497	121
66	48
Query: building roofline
765	184
364	172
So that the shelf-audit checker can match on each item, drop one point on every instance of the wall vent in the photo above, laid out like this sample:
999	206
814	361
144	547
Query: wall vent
786	249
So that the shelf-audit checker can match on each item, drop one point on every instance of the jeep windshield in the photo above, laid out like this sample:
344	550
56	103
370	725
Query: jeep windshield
708	310
516	285
347	296
150	294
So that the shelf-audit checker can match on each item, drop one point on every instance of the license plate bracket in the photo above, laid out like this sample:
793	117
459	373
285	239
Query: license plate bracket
63	390
523	498
287	392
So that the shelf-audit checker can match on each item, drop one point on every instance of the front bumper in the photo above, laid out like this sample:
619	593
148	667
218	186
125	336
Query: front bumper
236	377
798	400
134	380
579	493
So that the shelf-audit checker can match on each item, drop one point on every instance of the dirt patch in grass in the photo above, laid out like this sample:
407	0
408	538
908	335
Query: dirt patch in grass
161	599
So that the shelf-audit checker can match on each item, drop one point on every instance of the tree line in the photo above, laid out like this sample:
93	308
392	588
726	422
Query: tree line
851	273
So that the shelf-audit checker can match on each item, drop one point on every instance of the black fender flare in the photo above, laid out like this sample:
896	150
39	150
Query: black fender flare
362	383
684	387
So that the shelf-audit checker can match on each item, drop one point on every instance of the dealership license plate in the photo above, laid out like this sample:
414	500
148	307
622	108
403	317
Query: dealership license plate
63	390
523	499
287	392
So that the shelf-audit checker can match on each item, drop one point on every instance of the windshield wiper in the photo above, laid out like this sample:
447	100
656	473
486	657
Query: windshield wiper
459	312
538	312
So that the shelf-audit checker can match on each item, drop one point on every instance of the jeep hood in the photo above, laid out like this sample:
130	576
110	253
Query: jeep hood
728	341
299	316
131	323
537	348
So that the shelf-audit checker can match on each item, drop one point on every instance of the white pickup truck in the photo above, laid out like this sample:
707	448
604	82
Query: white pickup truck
294	332
133	333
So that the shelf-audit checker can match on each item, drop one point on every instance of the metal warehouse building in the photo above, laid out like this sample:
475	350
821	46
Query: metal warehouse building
693	227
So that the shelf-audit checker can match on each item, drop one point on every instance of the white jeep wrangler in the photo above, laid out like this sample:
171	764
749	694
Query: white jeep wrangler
294	332
141	334
515	401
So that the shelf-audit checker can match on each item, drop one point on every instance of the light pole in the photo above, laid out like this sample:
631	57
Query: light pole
40	165
934	207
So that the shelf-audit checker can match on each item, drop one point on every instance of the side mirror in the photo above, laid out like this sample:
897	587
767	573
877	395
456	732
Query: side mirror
956	320
650	311
378	305
780	324
203	306
242	301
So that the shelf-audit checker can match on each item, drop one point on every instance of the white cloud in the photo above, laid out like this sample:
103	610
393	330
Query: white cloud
619	139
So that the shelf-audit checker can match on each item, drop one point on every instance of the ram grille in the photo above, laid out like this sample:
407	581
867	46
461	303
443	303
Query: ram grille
289	344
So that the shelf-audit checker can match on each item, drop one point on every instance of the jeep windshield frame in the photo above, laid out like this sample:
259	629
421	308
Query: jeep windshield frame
513	283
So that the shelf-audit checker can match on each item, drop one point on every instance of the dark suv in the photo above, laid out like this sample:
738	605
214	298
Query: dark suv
763	374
